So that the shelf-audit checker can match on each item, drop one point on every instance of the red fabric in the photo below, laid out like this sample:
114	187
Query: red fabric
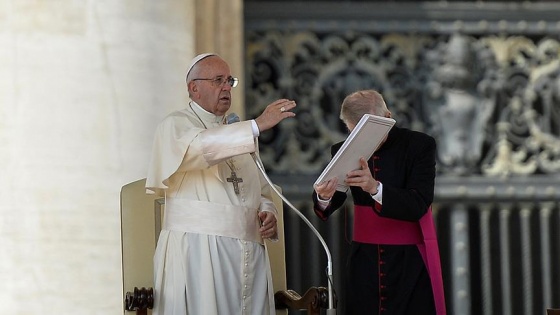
371	228
430	253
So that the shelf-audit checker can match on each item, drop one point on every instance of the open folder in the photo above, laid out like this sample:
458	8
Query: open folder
364	139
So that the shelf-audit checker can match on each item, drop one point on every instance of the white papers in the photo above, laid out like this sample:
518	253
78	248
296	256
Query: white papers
364	139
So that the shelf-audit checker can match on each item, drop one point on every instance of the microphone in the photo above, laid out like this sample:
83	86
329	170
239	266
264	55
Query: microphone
232	118
331	308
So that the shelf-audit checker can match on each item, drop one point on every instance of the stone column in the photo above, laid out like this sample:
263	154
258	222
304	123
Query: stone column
219	28
82	88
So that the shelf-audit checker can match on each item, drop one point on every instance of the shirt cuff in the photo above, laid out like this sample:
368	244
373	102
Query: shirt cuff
323	204
256	131
379	195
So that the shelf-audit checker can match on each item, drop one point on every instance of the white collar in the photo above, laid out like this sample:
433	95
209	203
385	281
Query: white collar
205	115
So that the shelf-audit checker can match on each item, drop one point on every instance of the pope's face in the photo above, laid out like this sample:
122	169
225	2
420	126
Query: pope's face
214	93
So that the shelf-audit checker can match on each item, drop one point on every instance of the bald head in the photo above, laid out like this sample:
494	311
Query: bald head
360	103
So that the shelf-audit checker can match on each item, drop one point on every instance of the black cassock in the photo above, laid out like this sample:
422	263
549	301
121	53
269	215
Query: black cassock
391	279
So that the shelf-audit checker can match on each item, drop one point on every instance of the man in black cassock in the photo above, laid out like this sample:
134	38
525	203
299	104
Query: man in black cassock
393	265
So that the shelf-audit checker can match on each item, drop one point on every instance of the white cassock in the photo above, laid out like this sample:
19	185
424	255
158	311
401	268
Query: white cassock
210	258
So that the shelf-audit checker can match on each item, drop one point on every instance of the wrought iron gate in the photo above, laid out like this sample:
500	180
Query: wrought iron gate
481	77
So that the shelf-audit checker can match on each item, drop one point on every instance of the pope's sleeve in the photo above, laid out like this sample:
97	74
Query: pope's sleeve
178	145
223	142
266	191
266	197
266	203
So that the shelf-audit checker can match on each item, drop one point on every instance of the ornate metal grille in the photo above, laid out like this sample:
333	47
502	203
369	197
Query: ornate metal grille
481	77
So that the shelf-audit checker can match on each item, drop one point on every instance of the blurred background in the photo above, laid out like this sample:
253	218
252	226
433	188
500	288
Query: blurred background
84	83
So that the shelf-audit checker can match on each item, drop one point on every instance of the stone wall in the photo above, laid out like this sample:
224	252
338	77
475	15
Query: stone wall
82	87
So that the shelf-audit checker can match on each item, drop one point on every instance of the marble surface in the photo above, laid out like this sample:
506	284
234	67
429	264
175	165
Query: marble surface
82	87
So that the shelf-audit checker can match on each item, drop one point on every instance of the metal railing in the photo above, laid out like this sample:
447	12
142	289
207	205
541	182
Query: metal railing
498	238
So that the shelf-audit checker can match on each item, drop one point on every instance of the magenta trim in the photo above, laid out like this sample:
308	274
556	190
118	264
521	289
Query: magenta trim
430	254
370	228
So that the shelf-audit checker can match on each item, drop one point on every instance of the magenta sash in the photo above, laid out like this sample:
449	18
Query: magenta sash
371	228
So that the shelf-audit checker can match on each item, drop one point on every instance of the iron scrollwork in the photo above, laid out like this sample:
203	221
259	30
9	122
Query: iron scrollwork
492	102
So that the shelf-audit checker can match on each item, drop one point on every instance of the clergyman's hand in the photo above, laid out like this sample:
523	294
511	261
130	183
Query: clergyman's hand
326	190
362	178
274	113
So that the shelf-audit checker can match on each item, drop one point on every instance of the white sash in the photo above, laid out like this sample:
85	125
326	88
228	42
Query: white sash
204	217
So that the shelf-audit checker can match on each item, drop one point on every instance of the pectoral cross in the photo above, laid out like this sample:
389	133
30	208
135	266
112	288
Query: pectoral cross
235	181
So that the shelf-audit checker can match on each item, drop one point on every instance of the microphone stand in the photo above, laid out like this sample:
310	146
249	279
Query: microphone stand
331	310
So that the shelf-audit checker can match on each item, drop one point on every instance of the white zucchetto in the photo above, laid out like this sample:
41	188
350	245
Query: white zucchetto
195	60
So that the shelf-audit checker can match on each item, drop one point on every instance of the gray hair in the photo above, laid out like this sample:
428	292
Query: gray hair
360	103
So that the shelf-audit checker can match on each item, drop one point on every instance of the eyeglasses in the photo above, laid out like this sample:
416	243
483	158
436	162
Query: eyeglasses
220	81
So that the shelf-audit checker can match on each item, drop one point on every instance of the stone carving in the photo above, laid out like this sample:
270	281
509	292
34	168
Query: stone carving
492	102
460	105
528	128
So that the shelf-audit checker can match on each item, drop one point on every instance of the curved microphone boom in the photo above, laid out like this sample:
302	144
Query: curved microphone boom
331	310
233	118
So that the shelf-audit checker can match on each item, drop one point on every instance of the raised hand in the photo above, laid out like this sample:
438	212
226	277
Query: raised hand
274	113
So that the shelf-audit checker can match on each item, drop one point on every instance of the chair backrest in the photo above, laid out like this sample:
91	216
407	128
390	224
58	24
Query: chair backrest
141	219
140	226
277	253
